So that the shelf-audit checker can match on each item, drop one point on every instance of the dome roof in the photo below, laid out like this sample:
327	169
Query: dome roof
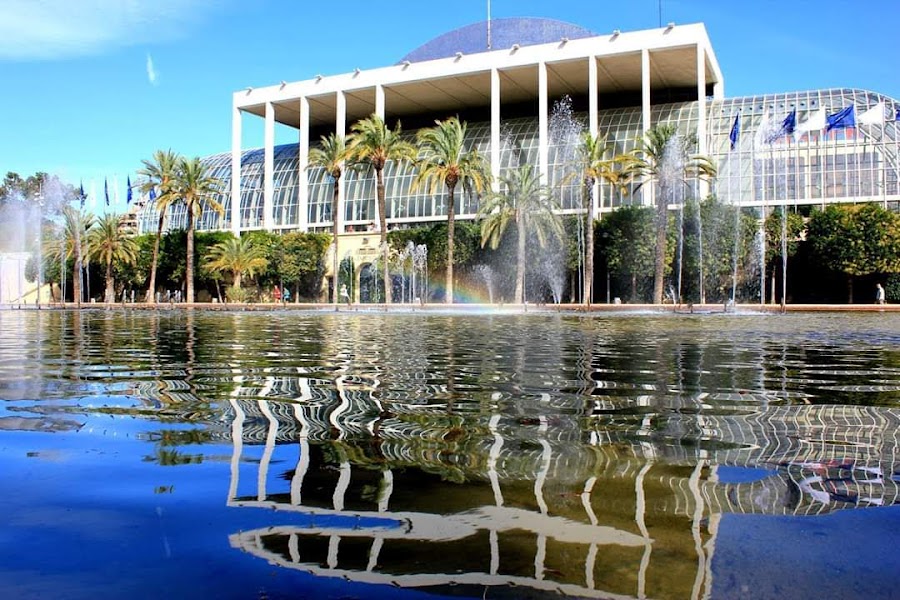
471	39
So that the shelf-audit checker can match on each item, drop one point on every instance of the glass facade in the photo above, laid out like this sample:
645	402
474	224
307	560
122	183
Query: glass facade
851	164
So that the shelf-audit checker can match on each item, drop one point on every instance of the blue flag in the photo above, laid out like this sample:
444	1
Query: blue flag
787	127
846	117
106	191
81	194
128	197
897	116
735	131
152	194
790	123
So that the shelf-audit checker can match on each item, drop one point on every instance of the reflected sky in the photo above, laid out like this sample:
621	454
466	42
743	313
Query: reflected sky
393	455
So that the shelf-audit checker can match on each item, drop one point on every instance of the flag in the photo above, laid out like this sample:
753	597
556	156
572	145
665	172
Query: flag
81	195
106	190
897	116
735	131
787	127
815	122
128	197
790	123
152	194
845	117
763	131
873	116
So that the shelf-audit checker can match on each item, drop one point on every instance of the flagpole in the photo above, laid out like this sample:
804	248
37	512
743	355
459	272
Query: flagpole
488	24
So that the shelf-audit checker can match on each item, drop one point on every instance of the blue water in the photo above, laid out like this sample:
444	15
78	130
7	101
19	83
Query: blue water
289	455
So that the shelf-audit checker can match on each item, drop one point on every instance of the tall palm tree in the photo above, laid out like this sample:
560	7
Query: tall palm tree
159	176
598	163
237	256
196	188
445	162
109	242
76	224
373	143
331	156
661	148
528	203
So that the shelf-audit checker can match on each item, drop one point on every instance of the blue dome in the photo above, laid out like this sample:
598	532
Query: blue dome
471	39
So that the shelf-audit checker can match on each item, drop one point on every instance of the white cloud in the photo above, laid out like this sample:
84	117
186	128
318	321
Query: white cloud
151	71
51	29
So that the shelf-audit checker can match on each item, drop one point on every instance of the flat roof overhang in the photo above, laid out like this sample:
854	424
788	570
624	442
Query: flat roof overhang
463	82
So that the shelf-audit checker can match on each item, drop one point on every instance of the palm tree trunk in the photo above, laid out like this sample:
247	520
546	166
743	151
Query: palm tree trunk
588	291
189	267
110	294
451	233
382	225
520	260
660	260
151	287
335	224
850	289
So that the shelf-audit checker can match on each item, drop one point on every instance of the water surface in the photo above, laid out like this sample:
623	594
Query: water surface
185	454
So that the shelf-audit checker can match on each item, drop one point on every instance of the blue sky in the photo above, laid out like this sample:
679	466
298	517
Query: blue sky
91	87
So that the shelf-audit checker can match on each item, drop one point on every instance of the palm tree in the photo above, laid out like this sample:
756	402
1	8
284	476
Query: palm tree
108	241
663	147
237	256
331	156
159	176
596	165
195	187
523	199
373	143
445	162
75	227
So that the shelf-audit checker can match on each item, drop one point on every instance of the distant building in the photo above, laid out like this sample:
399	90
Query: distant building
13	286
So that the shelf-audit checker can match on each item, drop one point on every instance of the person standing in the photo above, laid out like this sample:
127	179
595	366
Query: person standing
879	294
276	294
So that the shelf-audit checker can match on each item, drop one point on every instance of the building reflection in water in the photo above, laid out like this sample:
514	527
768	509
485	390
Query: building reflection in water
584	503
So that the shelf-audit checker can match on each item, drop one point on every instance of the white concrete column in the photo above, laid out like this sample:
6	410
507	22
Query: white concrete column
645	90
495	127
302	161
701	113
340	129
701	98
543	124
719	90
379	100
269	168
236	171
647	190
593	121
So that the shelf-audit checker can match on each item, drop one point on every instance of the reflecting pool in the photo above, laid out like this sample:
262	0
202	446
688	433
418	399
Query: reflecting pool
183	454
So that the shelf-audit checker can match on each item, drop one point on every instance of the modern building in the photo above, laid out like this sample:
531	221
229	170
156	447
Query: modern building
526	87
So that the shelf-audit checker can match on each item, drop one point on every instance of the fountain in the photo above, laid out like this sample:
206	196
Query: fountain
486	274
419	255
22	252
672	187
413	263
564	132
